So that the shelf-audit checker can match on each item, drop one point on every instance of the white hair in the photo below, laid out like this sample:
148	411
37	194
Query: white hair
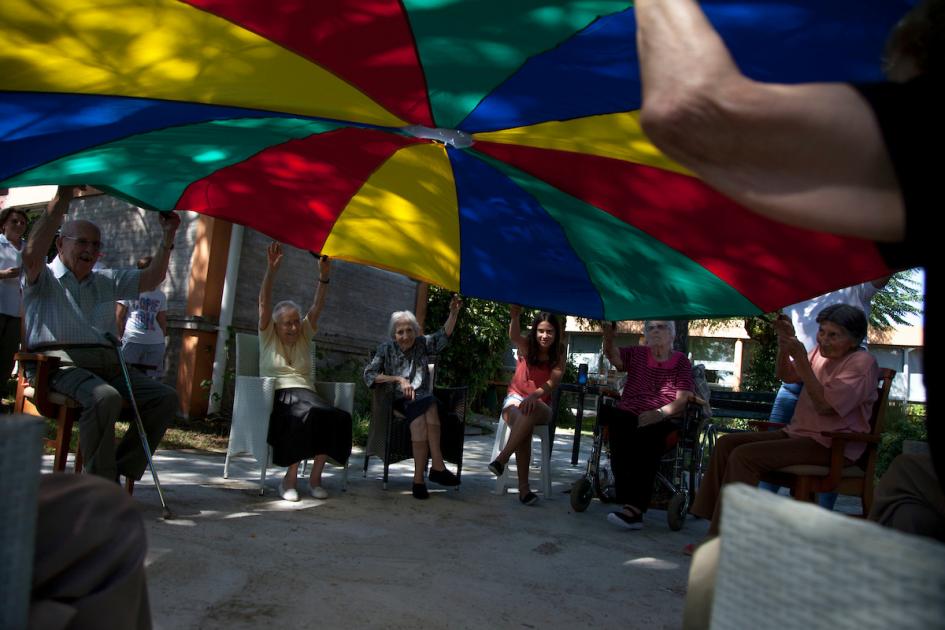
402	316
670	325
285	305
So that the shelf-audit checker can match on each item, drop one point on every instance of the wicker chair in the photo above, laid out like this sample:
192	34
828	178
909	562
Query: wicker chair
821	571
389	433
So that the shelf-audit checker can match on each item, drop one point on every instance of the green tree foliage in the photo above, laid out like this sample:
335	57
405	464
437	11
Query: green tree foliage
896	301
478	344
760	374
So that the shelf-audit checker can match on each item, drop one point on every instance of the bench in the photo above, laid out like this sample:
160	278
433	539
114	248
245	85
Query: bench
748	405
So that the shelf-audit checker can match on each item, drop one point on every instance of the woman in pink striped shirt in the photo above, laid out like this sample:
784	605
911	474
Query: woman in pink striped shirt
659	384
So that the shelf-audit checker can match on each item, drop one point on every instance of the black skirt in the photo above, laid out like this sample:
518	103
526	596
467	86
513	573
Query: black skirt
302	425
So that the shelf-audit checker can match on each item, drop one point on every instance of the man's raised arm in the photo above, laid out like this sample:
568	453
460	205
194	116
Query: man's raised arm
44	231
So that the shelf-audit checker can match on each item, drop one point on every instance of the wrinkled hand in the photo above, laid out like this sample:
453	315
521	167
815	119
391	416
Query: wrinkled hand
783	327
649	417
792	346
324	266
275	255
455	304
170	221
407	389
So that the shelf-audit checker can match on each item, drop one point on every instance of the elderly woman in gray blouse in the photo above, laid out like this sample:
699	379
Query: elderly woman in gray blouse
403	361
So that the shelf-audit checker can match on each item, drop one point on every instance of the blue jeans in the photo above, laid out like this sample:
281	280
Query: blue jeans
783	411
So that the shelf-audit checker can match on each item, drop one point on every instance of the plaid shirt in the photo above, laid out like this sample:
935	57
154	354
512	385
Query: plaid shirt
61	310
390	360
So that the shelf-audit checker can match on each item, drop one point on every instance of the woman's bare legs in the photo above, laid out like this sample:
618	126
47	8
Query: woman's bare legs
520	439
318	465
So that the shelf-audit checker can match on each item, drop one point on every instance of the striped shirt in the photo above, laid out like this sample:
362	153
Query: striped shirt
651	383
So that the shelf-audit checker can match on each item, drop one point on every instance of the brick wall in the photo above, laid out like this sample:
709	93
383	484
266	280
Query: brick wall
357	308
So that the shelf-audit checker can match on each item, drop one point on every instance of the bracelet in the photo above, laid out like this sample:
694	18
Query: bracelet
661	412
323	281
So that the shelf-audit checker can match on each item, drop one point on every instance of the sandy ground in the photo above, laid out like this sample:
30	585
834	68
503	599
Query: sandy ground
375	558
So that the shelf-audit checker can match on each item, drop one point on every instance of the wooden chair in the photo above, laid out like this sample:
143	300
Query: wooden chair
805	481
39	400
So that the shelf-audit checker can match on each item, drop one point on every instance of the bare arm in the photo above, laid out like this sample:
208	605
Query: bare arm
784	366
274	257
812	386
741	136
121	314
162	321
527	405
450	324
11	272
611	351
321	292
154	274
675	408
515	329
43	232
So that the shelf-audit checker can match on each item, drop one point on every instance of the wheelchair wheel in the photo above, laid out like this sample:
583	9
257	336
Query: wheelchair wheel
581	494
676	510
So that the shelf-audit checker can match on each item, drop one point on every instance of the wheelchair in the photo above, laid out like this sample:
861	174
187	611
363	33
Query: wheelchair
677	479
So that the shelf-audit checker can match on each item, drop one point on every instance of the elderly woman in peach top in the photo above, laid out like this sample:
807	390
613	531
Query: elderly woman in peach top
839	391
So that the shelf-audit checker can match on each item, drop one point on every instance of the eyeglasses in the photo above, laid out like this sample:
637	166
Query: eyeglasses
83	242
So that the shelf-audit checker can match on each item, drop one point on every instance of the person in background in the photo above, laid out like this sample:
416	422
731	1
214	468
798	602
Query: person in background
13	224
70	312
803	316
142	327
538	371
403	361
839	391
658	388
301	425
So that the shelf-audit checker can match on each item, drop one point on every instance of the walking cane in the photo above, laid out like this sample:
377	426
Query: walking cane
112	339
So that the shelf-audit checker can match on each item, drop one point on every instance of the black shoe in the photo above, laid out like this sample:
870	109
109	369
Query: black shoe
420	491
625	521
497	468
444	477
529	498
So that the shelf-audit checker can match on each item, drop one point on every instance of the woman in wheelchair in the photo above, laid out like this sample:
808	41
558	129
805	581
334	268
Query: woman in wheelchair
839	390
538	371
658	387
403	361
302	425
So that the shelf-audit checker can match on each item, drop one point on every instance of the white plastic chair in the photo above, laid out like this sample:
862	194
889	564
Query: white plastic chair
252	406
540	431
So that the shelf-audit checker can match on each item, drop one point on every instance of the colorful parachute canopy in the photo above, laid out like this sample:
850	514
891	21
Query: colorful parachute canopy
491	147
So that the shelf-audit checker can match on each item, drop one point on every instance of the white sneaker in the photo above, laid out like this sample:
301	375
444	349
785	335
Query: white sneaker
318	492
288	494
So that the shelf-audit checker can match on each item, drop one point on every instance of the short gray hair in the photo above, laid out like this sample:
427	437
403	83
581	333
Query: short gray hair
400	316
285	305
670	324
